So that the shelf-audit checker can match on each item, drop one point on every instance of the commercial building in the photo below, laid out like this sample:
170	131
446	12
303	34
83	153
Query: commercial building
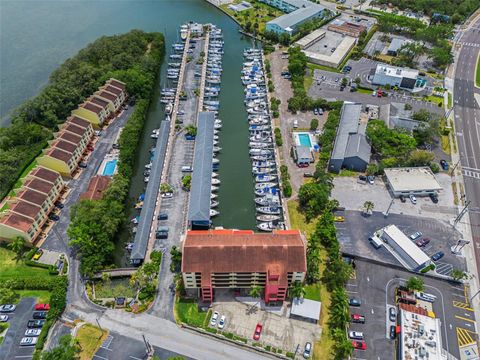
346	28
97	185
403	248
403	78
395	45
297	13
240	259
27	212
418	181
351	149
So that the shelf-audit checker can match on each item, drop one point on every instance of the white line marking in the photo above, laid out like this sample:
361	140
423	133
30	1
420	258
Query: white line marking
100	357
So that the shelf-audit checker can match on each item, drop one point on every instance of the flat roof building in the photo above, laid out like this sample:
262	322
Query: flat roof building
331	59
310	39
351	149
241	259
403	248
346	28
302	155
297	13
404	78
306	309
418	181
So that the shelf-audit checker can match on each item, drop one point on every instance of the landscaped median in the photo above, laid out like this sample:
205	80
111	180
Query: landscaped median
477	73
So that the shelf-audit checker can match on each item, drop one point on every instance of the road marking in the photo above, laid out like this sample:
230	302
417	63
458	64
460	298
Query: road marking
464	338
23	356
133	357
100	357
462	305
464	319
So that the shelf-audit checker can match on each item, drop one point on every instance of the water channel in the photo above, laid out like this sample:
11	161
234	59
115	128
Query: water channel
38	36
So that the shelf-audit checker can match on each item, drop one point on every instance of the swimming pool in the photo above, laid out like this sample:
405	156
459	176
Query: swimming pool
304	140
109	168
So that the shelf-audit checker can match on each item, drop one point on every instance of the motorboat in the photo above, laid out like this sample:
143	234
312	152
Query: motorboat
155	134
175	56
214	174
266	190
139	205
263	164
135	220
148	166
258	171
265	178
146	179
183	32
270	226
270	210
213	196
258	127
268	200
267	218
256	152
215	161
215	181
260	136
129	246
146	172
214	213
216	132
217	149
215	137
260	144
168	108
217	126
215	142
261	157
213	204
214	188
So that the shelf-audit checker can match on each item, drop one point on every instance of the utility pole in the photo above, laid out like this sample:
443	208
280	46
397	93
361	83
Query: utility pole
478	292
453	169
463	212
148	347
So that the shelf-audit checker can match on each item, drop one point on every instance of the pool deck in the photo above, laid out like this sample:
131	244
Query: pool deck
296	139
103	165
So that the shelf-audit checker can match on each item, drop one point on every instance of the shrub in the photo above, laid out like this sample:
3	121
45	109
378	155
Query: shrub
313	124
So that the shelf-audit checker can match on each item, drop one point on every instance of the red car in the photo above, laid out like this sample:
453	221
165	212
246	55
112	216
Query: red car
422	242
357	318
258	331
42	307
359	345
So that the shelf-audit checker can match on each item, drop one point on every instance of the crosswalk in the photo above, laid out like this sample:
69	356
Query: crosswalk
471	172
477	45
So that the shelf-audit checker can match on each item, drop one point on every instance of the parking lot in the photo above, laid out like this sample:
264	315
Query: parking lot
374	285
11	349
325	45
278	331
118	347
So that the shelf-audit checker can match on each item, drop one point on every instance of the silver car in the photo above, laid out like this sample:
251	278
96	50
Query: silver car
28	341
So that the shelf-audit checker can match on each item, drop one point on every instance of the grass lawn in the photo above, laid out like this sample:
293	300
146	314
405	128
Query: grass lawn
90	338
450	101
347	173
43	296
434	99
186	311
477	73
312	67
10	268
260	15
114	288
364	91
307	81
297	219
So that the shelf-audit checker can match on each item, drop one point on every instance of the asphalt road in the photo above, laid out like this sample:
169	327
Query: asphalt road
11	349
467	121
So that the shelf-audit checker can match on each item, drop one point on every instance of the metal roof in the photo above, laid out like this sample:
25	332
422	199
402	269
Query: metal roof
200	192
396	44
349	119
147	213
306	308
358	147
297	16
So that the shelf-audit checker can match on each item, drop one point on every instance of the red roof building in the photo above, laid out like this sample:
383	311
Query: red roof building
241	259
98	184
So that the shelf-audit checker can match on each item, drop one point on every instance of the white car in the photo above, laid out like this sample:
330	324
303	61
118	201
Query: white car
213	320
413	199
357	335
221	323
33	332
28	341
3	318
7	308
416	235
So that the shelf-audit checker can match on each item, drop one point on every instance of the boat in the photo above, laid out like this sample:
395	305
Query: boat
214	188
146	179
255	152
261	157
264	185
217	126
265	178
270	226
146	172
268	200
139	205
213	204
260	145
217	149
263	164
213	196
129	246
183	32
215	161
266	170
214	213
260	136
135	220
270	210
215	181
175	56
266	190
266	218
148	166
168	108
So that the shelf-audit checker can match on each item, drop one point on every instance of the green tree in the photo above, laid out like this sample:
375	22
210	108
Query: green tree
313	124
368	207
187	181
7	293
312	198
68	349
421	158
458	274
415	284
407	107
297	290
191	130
18	247
176	259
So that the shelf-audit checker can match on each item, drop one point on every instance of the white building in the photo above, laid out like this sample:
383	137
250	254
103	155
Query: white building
403	248
404	78
418	181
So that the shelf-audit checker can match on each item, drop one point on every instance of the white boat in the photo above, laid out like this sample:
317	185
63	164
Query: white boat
214	188
265	178
215	137
214	213
268	200
271	210
148	166
261	157
217	126
213	196
270	226
215	181
260	145
266	170
213	204
260	136
266	218
146	179
214	174
255	152
168	108
264	185
215	161
217	149
263	164
267	190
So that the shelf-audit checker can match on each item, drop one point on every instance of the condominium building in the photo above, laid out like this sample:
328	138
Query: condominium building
240	259
91	112
27	212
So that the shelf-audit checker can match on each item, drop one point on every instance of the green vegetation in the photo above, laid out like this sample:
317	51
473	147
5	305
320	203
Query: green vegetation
94	223
90	338
68	349
313	124
477	77
33	123
186	311
312	67
144	280
285	178
278	137
458	10
357	51
414	284
110	288
42	296
10	268
187	182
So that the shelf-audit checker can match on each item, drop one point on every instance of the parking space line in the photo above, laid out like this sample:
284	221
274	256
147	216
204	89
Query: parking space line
464	319
23	356
100	357
464	338
135	358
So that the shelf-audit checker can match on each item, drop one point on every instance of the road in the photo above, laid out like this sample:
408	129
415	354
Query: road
467	122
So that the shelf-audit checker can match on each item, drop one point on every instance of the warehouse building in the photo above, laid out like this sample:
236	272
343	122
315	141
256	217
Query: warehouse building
403	78
418	181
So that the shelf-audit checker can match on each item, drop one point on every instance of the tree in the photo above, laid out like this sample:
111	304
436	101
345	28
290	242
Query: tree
68	349
415	284
368	207
7	293
297	290
176	259
18	247
344	81
313	124
313	197
357	80
422	115
458	274
191	130
407	107
186	182
255	291
421	158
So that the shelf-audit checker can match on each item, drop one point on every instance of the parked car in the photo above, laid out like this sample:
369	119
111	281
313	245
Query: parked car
307	350
258	332
221	322
59	205
357	335
393	332
308	174
437	256
54	217
42	307
354	302
33	332
374	93
162	216
8	308
413	199
357	318
337	79
315	111
40	315
402	198
392	314
213	320
339	218
362	177
416	235
434	198
444	165
35	324
28	341
187	169
3	318
359	345
320	111
82	165
422	242
371	179
38	254
167	195
426	297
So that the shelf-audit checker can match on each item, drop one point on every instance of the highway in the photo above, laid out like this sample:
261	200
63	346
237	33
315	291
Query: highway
467	122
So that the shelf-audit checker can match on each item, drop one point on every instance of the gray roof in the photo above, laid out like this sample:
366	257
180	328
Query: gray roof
200	192
297	16
358	147
147	213
306	308
349	119
303	152
396	44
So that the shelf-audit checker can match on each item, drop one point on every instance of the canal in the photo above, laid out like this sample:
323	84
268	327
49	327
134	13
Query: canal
38	36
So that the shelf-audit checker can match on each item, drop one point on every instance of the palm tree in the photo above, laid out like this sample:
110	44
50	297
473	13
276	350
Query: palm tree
18	247
415	283
255	292
297	290
368	207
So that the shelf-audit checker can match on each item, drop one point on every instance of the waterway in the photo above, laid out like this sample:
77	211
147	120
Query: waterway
37	36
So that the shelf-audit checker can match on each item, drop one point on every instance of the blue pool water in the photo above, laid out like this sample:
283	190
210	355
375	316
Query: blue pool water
110	167
304	140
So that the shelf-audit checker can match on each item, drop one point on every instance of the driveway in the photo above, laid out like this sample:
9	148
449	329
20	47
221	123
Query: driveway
11	349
